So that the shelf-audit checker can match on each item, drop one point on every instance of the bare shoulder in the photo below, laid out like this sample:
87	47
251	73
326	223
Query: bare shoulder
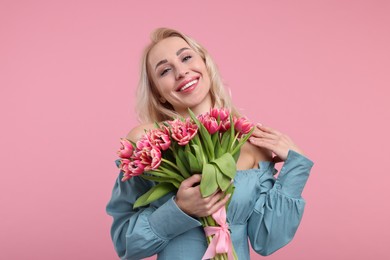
137	132
251	155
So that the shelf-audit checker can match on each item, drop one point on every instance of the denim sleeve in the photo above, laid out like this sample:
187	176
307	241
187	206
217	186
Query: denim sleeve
279	208
142	232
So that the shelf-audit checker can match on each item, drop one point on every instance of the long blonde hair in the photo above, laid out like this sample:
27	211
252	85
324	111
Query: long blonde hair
149	108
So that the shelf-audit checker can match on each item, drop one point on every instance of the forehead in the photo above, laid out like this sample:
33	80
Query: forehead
166	48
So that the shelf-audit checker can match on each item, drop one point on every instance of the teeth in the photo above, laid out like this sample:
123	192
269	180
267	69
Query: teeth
189	84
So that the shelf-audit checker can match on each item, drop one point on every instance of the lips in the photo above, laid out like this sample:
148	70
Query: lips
186	84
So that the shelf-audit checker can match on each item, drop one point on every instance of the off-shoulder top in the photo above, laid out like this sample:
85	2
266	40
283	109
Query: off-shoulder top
265	209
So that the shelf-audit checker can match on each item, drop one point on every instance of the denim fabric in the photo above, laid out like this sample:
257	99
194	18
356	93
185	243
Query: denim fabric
265	209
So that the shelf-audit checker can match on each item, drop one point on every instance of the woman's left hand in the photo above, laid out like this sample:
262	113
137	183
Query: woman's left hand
274	141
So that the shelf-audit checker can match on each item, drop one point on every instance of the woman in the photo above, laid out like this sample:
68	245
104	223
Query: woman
177	73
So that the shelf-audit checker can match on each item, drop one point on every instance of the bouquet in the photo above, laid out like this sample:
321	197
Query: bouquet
208	144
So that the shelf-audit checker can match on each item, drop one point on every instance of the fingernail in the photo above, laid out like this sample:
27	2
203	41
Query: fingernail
259	124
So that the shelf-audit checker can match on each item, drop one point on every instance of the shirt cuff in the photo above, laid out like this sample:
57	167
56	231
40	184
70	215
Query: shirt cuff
169	221
294	174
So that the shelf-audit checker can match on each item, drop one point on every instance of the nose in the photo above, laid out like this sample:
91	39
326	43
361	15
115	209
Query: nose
181	72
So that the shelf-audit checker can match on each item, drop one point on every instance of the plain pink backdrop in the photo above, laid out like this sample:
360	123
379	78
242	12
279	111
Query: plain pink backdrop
316	70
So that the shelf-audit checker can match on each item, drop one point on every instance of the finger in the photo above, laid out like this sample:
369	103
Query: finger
215	198
220	204
265	143
189	182
267	129
260	133
210	198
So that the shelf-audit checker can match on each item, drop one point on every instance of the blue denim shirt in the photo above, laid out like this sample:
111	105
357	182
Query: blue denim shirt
263	208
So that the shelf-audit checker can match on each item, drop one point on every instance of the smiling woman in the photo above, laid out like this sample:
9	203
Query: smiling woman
180	76
177	73
149	98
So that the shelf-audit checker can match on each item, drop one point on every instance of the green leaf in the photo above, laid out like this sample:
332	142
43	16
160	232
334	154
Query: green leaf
223	181
236	155
208	184
218	147
226	164
187	149
225	142
242	141
205	135
169	173
183	159
215	137
161	179
154	193
197	141
182	155
194	164
232	131
230	189
198	153
182	167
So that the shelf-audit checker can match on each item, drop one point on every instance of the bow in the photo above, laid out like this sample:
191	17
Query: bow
221	242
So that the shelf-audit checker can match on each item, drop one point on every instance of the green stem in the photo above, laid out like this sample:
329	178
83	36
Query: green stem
242	141
183	172
163	172
174	182
201	148
170	163
203	220
234	140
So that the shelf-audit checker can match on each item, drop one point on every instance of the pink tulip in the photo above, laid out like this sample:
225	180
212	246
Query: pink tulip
242	125
143	142
183	132
147	154
155	155
225	125
126	149
136	167
131	169
124	166
223	113
209	122
160	138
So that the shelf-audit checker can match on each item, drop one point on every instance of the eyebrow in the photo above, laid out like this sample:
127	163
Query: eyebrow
177	54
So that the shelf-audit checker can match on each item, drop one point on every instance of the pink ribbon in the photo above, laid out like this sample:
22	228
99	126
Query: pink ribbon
221	242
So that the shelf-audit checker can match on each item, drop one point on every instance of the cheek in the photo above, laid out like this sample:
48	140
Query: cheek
163	85
201	68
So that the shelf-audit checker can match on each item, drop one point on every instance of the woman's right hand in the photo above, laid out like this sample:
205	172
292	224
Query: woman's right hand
190	200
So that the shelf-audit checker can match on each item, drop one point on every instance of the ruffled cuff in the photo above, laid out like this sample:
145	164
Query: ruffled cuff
294	174
169	221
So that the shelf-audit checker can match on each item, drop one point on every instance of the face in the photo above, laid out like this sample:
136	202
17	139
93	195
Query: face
180	76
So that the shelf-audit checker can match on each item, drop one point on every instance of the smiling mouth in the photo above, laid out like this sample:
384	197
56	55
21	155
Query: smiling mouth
189	84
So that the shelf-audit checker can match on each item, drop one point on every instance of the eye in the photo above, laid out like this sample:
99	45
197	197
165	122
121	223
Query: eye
186	58
165	71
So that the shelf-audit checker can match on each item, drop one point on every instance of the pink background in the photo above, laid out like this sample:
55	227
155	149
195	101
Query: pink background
316	70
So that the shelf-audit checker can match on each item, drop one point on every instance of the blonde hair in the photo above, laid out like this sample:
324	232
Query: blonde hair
149	108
